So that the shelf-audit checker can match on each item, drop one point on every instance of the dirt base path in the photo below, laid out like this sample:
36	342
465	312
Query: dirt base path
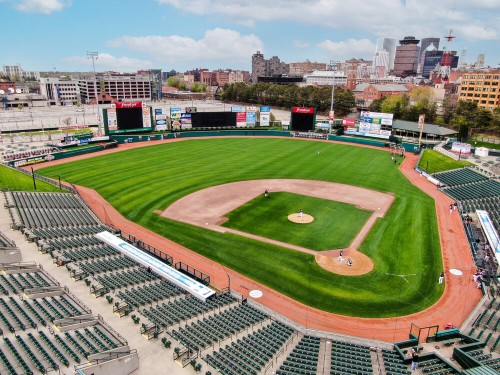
459	299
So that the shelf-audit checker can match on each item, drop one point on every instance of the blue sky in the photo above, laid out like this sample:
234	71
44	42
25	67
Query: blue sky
186	34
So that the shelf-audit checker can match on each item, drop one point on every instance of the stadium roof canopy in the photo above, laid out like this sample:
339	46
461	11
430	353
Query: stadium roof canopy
410	126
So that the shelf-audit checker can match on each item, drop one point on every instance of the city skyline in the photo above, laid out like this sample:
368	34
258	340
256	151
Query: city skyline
48	35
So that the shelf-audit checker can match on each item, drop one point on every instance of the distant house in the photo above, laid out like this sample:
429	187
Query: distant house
366	93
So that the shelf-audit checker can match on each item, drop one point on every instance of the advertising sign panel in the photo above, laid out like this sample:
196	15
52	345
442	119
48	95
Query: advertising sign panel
186	120
191	109
265	115
128	104
146	117
348	122
237	108
241	119
304	110
175	113
251	118
112	123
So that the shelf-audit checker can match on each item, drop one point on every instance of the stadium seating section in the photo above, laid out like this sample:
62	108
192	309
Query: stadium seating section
231	336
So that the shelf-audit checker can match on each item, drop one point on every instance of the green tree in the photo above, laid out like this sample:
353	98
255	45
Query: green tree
462	124
344	102
449	107
173	81
483	118
495	121
376	105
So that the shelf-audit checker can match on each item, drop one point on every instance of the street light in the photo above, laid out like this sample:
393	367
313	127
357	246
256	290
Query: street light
94	56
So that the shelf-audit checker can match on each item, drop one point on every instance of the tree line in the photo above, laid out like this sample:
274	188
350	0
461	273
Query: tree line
287	96
460	115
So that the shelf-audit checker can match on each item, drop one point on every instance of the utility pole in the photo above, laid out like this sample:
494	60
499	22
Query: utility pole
94	56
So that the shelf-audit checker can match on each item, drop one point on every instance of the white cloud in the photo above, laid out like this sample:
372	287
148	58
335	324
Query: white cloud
41	6
420	18
215	45
350	48
106	61
299	44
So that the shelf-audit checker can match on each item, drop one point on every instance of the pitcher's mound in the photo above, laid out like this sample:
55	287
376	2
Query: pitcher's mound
305	219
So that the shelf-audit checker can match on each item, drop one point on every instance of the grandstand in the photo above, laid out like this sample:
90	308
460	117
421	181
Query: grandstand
473	190
46	327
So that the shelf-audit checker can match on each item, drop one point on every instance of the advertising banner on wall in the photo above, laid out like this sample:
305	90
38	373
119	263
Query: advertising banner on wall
241	119
265	115
348	122
175	113
160	119
376	118
128	104
251	118
191	109
112	123
304	110
146	117
186	120
237	108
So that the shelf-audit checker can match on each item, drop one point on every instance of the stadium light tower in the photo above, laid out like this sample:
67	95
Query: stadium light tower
94	56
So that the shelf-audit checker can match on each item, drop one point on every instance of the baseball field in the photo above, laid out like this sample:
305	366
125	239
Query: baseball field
140	182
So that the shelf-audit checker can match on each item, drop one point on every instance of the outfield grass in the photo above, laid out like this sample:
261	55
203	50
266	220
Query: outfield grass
335	223
17	181
439	162
139	181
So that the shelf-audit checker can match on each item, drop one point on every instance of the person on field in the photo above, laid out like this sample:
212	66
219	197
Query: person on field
301	213
266	194
341	256
349	262
441	278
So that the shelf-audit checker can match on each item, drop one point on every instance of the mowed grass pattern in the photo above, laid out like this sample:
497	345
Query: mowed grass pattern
137	182
335	223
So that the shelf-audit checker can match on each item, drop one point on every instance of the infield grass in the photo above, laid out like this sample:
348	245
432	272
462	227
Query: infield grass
139	181
335	223
439	162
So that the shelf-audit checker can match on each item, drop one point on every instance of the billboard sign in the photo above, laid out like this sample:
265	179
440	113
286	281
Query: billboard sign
251	119
111	120
265	115
191	109
237	108
303	110
186	120
175	113
348	122
241	119
128	104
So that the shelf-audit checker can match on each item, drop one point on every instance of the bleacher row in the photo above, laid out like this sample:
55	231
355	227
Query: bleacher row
303	359
204	324
457	177
483	189
26	321
473	191
485	359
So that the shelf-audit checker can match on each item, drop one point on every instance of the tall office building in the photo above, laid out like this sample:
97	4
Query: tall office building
431	44
406	60
432	58
389	45
267	68
381	61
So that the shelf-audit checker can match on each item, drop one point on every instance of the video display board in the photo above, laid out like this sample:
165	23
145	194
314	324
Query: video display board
127	117
303	118
213	119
